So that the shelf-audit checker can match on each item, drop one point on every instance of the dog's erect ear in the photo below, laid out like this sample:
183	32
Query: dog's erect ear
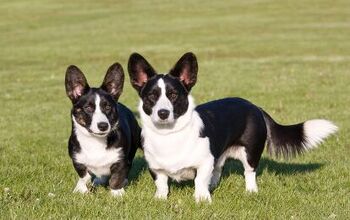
140	71
76	83
114	80
186	70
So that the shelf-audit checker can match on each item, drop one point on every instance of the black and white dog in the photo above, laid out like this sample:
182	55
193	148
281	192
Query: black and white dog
105	135
182	141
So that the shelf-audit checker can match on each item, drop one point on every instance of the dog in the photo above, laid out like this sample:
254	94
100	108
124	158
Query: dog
105	134
184	141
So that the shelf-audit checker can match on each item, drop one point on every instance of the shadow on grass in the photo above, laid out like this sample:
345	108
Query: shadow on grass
234	167
271	166
139	165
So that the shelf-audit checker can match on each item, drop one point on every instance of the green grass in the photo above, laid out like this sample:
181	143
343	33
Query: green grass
290	57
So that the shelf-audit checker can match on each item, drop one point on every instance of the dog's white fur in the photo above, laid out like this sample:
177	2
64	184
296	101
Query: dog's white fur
81	186
316	131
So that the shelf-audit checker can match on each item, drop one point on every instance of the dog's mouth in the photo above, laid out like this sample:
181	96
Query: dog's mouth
164	124
100	134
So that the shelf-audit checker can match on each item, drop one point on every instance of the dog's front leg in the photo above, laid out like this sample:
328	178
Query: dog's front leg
202	180
84	178
119	175
161	181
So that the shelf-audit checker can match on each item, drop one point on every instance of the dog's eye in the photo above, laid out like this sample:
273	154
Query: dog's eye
152	96
108	107
89	108
172	96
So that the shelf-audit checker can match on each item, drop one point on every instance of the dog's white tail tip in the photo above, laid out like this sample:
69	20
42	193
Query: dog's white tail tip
316	130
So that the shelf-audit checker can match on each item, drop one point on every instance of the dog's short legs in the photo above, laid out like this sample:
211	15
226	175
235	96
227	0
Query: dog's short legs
118	180
250	180
161	181
81	186
85	177
202	180
215	179
217	172
249	172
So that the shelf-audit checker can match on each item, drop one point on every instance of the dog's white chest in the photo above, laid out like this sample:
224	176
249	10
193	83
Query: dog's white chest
95	156
177	154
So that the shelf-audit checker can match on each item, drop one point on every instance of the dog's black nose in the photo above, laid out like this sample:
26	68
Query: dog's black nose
163	114
102	126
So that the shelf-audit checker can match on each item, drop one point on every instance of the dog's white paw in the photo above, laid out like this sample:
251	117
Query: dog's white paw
250	182
252	189
161	194
117	192
81	188
202	196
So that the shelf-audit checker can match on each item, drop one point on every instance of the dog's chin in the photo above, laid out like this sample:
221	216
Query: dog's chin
99	134
164	123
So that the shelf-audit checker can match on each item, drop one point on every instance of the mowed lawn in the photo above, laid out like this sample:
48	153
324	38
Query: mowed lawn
291	58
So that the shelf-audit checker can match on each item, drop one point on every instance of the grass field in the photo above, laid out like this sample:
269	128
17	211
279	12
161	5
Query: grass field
290	57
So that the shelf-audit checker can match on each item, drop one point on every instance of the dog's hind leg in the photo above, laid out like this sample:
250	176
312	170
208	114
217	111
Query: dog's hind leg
253	143
249	169
250	178
215	179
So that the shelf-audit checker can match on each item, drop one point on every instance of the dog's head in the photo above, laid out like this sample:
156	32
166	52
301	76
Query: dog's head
164	98
94	110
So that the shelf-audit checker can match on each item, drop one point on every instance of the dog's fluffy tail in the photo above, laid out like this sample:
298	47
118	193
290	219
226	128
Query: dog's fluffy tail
290	140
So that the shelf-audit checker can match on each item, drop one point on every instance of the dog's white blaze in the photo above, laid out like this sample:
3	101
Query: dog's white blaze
98	117
94	153
316	131
174	127
162	103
